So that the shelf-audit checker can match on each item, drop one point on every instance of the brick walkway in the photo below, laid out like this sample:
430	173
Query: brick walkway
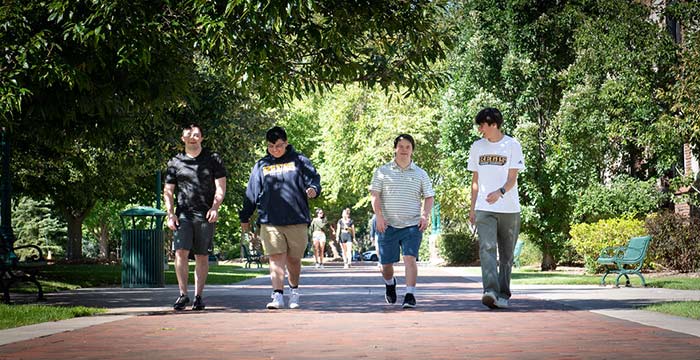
343	316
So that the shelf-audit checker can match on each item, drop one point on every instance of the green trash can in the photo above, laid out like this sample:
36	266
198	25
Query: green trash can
142	248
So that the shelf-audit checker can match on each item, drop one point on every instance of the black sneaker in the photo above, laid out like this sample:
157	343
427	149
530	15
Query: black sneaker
390	295
409	301
181	302
198	303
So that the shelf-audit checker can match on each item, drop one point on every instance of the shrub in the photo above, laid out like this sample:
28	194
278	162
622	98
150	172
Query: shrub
459	248
624	197
590	239
675	241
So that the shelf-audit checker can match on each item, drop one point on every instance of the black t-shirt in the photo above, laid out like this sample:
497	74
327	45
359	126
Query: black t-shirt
194	181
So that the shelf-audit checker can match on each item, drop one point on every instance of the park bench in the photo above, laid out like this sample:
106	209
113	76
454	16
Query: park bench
18	264
251	256
625	260
516	253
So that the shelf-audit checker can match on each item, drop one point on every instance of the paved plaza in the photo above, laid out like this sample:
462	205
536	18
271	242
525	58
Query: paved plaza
343	316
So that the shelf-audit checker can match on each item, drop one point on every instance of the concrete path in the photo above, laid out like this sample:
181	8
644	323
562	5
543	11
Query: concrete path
344	316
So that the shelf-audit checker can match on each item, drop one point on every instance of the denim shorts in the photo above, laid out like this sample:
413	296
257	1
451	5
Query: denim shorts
408	239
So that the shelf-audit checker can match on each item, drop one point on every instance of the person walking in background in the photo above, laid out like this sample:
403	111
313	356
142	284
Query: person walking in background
318	237
346	236
398	188
494	161
279	187
199	177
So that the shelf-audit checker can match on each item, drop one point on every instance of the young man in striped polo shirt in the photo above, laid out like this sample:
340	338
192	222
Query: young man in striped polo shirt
398	189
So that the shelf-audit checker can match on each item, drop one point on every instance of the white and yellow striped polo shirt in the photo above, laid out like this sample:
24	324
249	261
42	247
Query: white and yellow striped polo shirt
401	192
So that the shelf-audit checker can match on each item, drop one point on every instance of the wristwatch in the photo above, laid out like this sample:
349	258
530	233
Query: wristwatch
503	191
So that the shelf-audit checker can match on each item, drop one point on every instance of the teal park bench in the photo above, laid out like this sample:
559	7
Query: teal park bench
18	264
625	260
516	253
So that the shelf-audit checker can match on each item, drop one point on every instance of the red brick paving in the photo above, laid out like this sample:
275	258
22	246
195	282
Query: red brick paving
344	317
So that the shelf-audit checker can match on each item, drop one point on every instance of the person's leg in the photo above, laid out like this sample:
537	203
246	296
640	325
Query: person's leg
508	230
388	254
411	266
317	251
486	224
201	271
294	269
182	269
322	247
278	263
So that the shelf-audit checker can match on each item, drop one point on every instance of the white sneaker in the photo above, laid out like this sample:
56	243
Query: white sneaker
277	301
317	266
321	266
294	300
489	299
502	303
346	266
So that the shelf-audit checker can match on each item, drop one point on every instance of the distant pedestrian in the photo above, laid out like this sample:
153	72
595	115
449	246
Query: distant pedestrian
346	236
199	177
398	190
318	237
279	187
495	161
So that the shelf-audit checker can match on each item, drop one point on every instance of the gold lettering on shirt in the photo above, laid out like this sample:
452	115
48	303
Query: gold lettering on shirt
493	159
279	168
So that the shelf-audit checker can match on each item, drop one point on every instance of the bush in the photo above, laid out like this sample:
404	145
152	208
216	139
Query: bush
675	241
625	197
531	254
459	248
590	239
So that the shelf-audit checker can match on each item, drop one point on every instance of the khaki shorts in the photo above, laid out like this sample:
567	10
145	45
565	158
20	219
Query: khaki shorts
289	239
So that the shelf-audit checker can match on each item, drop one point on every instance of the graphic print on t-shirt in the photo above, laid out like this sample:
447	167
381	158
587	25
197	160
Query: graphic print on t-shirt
493	159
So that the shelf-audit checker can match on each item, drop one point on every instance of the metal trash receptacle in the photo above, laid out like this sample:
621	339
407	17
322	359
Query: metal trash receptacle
142	248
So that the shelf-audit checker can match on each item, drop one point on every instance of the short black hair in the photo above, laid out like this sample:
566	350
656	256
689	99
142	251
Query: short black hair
405	137
275	133
192	125
490	116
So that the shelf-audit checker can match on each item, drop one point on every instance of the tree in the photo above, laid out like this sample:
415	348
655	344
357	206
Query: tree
85	84
577	103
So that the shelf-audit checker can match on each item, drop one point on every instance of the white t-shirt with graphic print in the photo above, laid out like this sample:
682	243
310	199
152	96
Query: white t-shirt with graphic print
492	162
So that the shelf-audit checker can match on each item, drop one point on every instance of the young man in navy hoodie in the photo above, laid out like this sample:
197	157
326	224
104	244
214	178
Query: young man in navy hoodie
279	187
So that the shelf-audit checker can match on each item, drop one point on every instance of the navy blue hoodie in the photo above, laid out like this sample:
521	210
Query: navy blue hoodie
277	188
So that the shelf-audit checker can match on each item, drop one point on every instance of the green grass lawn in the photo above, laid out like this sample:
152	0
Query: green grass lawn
689	309
20	315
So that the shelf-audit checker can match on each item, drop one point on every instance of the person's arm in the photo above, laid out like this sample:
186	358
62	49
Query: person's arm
377	208
168	198
213	213
425	218
249	199
475	193
312	180
500	192
352	228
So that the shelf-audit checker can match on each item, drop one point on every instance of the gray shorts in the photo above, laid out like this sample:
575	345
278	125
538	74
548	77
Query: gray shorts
196	235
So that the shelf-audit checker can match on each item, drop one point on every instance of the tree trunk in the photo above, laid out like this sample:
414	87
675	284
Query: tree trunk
74	247
548	263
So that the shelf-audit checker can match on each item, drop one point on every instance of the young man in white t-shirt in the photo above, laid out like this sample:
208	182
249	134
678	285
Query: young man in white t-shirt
495	160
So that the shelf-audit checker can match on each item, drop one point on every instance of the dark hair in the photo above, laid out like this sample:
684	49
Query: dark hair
490	116
405	137
275	133
190	126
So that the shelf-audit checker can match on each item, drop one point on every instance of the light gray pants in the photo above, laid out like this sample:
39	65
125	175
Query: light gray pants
497	232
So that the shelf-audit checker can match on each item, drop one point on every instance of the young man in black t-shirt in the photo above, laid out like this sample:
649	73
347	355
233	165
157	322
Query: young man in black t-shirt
199	177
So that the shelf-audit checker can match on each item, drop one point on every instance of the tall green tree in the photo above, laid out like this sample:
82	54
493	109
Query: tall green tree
581	106
90	89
